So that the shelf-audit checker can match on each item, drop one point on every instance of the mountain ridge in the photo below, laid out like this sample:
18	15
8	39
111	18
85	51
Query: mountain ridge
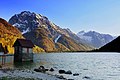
95	39
44	32
9	34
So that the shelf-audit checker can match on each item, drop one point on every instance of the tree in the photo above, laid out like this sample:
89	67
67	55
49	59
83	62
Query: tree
5	50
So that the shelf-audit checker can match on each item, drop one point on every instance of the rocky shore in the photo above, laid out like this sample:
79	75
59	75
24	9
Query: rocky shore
57	73
17	74
40	73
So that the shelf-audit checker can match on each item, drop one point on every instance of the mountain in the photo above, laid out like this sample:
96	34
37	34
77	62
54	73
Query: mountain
8	35
95	39
112	46
45	34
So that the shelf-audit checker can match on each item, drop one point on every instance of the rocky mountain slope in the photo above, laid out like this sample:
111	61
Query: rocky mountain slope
46	34
95	39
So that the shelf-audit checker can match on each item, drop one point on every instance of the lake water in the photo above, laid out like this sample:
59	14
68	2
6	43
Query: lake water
96	66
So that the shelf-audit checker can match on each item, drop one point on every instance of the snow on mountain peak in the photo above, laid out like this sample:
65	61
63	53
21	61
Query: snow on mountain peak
81	33
18	25
16	15
26	13
40	27
23	21
95	38
38	16
25	31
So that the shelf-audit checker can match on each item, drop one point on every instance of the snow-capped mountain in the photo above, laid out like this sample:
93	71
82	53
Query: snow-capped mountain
45	34
27	21
95	39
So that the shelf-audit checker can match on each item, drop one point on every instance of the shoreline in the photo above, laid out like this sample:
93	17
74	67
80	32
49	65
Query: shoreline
15	74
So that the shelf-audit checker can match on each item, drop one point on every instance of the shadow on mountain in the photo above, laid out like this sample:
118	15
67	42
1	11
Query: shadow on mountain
113	46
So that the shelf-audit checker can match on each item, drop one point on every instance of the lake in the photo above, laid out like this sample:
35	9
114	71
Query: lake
96	66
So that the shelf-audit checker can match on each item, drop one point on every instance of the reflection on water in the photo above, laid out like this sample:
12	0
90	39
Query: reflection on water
24	65
7	61
96	66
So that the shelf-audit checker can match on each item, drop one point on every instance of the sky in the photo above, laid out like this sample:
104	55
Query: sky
97	15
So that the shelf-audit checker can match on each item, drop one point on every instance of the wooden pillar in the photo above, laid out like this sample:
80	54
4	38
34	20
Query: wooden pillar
3	59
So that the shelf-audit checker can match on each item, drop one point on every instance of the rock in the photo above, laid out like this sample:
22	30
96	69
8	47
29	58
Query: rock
61	77
86	77
23	71
70	79
85	69
37	70
68	72
51	69
41	67
46	69
76	74
61	71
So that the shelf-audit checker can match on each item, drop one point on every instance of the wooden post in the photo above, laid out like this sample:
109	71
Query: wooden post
3	59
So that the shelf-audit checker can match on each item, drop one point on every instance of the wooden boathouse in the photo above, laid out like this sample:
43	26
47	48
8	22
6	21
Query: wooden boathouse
23	50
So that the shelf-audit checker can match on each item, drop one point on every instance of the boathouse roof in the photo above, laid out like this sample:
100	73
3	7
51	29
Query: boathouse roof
23	43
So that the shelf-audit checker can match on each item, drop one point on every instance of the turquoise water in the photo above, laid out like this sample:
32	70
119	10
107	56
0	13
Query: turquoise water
102	66
96	66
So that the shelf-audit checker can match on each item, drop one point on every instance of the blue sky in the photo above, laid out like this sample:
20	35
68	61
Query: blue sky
99	15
